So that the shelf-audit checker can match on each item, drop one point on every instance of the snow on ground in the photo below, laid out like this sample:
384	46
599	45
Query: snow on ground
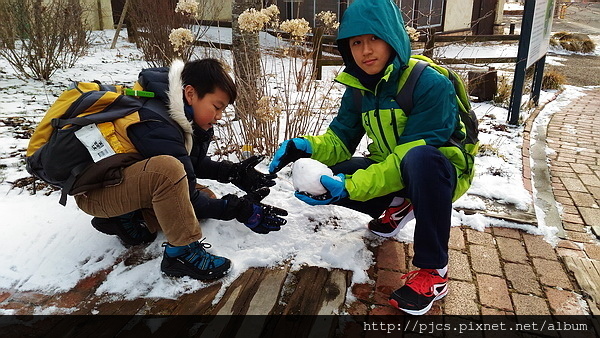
49	248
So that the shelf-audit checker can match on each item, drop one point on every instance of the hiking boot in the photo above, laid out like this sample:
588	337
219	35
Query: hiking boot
394	219
421	289
192	260
130	228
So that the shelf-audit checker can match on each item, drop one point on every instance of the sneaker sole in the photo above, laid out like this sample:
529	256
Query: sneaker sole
178	271
409	217
422	311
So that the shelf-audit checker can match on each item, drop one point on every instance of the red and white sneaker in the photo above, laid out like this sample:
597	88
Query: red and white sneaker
421	289
393	220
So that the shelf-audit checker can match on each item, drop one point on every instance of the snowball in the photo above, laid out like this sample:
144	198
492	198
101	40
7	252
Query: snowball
306	176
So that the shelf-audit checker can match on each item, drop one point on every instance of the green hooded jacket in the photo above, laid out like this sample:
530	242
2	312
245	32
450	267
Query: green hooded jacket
432	121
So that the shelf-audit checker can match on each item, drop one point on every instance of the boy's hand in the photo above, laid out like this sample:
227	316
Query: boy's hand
247	178
259	217
289	151
336	190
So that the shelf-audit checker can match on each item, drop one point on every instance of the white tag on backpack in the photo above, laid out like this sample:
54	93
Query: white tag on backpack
94	141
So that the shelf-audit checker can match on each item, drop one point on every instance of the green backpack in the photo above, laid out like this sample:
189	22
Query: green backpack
467	137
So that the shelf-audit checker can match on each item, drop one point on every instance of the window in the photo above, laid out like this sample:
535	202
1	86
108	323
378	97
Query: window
423	14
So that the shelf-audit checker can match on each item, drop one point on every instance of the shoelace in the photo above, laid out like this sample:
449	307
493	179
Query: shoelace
421	280
197	254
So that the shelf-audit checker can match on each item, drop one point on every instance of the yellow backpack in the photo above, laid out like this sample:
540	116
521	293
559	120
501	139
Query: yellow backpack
85	127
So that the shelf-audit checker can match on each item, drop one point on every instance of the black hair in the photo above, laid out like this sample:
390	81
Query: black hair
206	76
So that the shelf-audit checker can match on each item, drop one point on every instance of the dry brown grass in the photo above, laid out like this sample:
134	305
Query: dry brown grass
574	42
553	79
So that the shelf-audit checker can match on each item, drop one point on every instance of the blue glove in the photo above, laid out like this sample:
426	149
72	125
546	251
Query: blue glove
336	190
289	151
260	218
265	218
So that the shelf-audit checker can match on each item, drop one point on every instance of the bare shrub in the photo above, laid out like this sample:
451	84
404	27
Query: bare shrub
38	37
169	29
291	101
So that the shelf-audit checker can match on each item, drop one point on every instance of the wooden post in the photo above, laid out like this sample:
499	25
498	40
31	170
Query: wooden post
120	25
318	52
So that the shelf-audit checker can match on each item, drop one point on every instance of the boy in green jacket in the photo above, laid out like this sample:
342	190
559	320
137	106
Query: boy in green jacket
412	169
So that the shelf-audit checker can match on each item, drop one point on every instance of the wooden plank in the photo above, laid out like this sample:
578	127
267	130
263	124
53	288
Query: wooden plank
197	303
304	300
334	293
263	302
334	298
587	281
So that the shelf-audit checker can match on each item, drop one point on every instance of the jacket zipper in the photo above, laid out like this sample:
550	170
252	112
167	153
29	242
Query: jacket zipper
368	123
395	125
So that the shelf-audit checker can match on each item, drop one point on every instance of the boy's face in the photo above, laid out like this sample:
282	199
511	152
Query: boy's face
370	53
209	109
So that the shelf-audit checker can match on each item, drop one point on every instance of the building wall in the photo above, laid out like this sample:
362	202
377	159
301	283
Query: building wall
458	15
99	14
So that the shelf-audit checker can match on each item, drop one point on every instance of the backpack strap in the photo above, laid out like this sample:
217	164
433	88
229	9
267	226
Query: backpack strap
357	96
404	98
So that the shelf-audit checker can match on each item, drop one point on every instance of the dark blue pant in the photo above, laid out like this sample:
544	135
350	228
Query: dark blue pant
429	180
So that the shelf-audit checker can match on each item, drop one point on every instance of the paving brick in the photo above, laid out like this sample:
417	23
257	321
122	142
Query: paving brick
486	311
583	199
563	302
591	216
592	250
390	255
573	184
387	282
385	311
357	308
581	168
574	227
478	237
573	218
529	305
511	250
581	237
522	278
458	266
485	259
457	240
590	180
551	273
567	245
538	247
461	299
507	232
564	252
493	292
363	291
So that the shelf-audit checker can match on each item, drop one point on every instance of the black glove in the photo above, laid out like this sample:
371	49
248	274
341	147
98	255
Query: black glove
260	218
244	176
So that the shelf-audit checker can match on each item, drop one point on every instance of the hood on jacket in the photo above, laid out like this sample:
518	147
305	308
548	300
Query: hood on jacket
176	104
167	86
378	17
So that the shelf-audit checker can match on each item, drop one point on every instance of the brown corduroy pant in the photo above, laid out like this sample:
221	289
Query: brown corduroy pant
159	188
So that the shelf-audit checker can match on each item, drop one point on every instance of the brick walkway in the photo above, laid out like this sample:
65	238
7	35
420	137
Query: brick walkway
498	271
508	271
